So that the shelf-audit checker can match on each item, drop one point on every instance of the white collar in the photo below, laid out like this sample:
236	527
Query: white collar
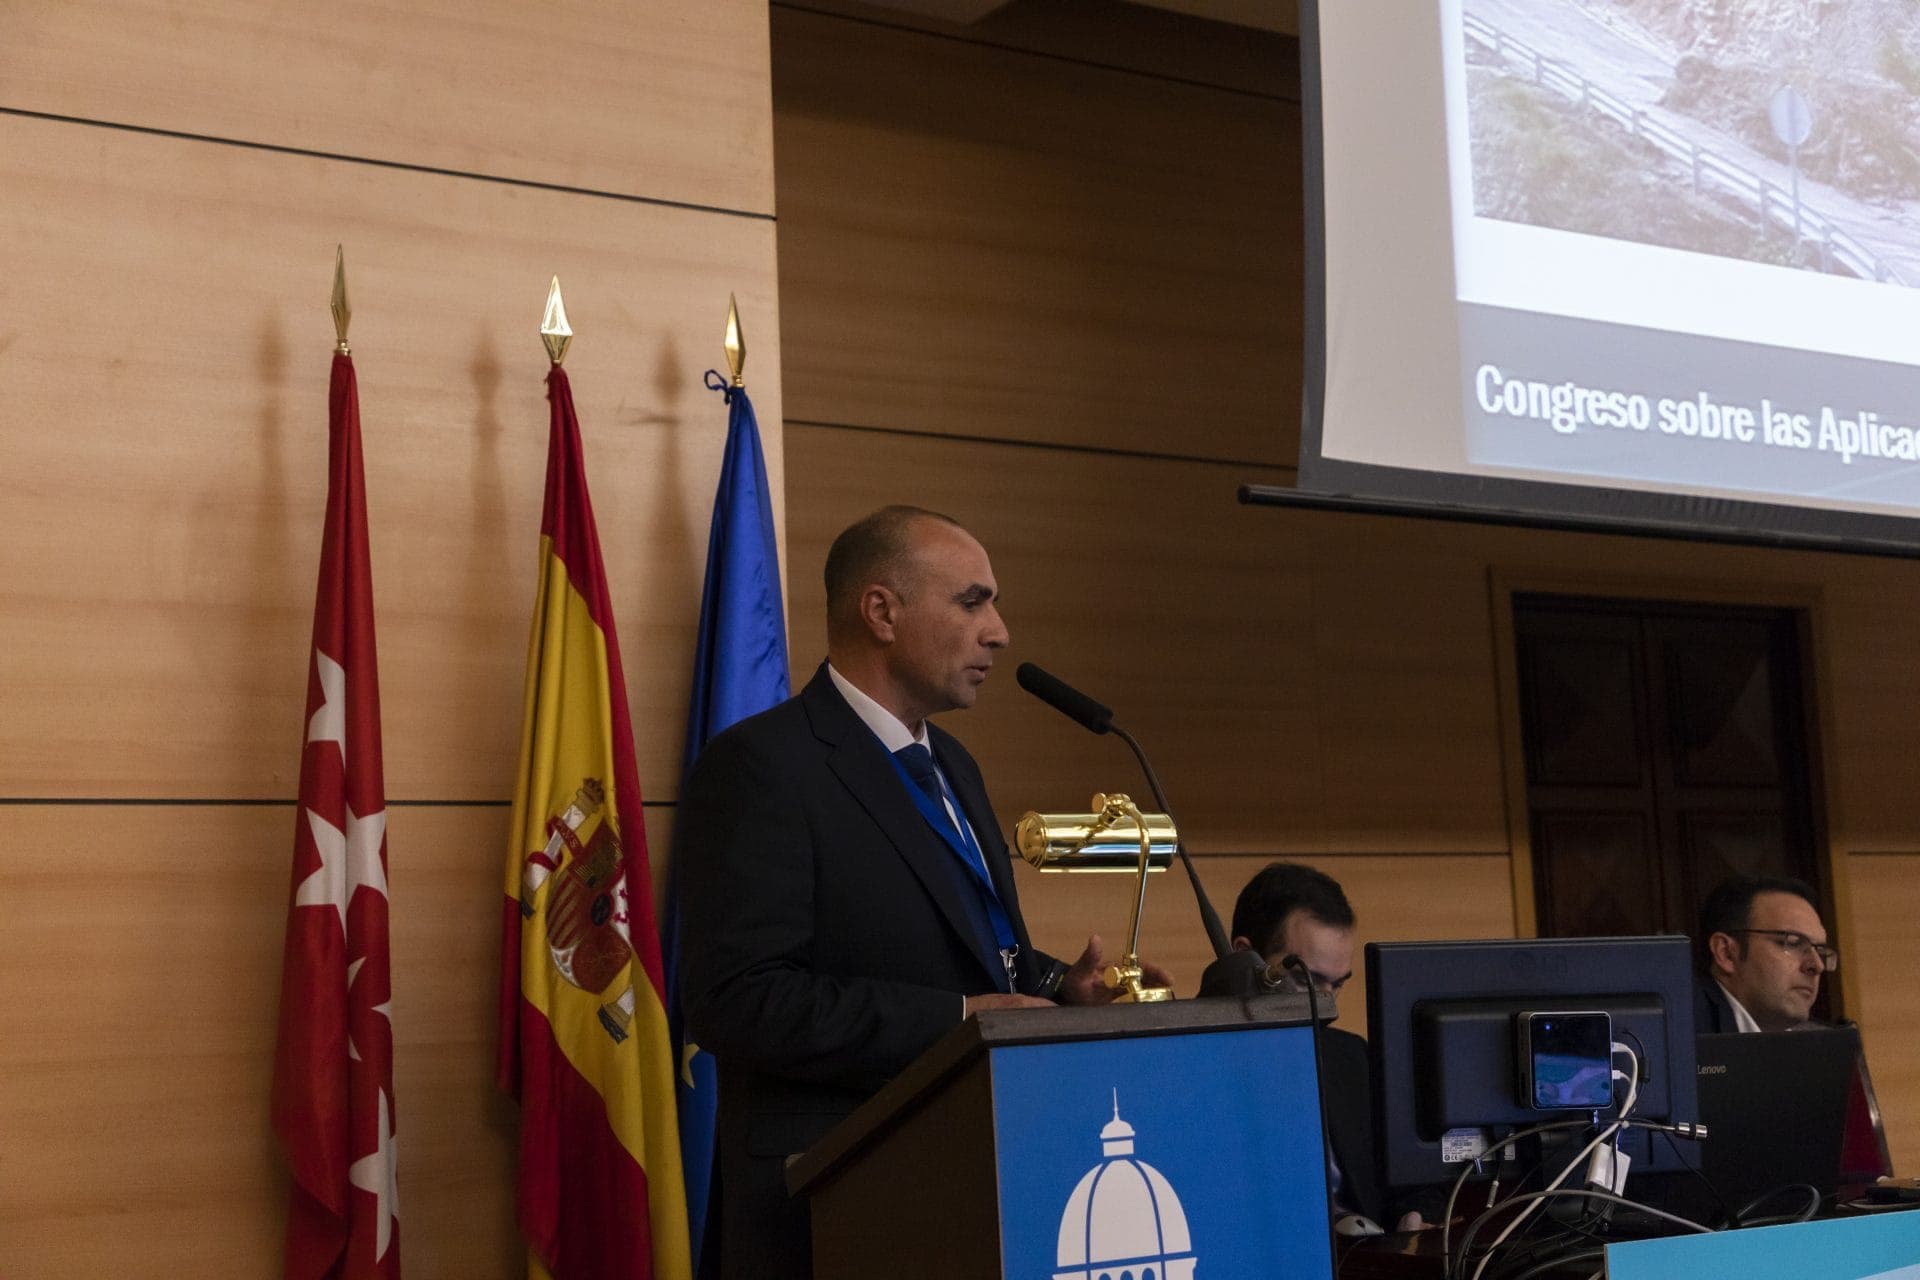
1742	1020
886	726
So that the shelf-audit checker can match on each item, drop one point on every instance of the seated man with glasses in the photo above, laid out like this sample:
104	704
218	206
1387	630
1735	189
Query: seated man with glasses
1290	909
1763	953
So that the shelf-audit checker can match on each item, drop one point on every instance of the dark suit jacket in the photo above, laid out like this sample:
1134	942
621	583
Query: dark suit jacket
830	935
1346	1087
1712	1015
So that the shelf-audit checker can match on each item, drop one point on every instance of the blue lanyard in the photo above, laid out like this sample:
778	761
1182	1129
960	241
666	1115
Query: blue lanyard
960	839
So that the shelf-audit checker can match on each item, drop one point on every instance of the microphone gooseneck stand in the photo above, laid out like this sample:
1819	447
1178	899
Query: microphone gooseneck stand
1210	918
1299	966
1096	717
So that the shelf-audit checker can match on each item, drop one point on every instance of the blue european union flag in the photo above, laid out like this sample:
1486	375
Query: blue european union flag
739	669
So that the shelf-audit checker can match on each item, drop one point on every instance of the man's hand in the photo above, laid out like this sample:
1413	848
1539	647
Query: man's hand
1086	982
997	1000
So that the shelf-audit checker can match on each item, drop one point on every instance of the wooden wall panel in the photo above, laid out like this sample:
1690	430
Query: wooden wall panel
1885	951
1262	658
1153	41
177	176
641	97
1872	756
984	243
140	986
165	365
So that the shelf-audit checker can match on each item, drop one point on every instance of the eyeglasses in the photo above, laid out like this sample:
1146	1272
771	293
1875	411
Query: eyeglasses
1801	944
1321	983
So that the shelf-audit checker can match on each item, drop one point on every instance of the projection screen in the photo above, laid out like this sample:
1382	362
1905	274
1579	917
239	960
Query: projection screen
1626	262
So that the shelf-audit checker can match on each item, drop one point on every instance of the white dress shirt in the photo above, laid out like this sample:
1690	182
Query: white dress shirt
1742	1020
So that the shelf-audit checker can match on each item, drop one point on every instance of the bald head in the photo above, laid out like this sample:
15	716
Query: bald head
876	549
913	618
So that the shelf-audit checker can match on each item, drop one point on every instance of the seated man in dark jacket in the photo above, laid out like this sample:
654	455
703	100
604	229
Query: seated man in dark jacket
1289	909
1763	952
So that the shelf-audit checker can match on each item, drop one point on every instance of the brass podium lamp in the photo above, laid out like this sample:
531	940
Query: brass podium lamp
1115	838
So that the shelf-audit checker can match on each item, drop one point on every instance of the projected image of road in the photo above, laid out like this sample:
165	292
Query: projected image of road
1686	244
1773	131
1640	261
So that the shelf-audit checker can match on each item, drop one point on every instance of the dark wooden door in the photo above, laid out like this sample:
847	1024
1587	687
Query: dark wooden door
1667	747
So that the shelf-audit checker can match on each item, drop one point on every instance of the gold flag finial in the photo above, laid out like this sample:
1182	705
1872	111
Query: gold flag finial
736	345
554	330
342	313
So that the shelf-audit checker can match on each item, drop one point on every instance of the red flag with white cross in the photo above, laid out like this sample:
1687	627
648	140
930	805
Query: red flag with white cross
333	1073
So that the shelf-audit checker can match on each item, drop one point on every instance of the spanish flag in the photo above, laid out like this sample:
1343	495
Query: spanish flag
583	1024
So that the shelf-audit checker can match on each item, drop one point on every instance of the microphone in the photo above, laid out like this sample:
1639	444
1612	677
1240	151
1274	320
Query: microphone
1067	700
1291	963
1091	715
1244	973
1238	973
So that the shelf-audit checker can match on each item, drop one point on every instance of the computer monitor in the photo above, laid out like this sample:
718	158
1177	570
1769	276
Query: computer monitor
1444	1026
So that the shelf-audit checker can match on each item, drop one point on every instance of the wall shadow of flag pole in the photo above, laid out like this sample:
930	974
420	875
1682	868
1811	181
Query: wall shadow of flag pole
583	1023
739	669
333	1062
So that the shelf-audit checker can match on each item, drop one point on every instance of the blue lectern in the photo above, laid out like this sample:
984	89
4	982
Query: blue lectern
1177	1141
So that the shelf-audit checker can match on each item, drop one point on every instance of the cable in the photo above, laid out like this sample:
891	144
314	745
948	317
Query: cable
1541	1233
1532	1131
1864	1205
1538	1233
1805	1215
1652	1126
1633	1081
1640	1057
1588	1193
1726	1212
1529	1257
1558	1260
1446	1222
1534	1201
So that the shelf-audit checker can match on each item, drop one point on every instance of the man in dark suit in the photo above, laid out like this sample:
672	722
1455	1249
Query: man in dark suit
846	895
1289	909
1763	953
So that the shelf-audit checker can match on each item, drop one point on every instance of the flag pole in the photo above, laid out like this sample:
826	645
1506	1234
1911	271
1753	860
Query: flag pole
342	310
554	330
739	669
735	343
584	1043
332	1103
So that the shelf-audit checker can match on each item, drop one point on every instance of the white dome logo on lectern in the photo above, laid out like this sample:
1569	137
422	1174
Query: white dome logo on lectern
1123	1220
